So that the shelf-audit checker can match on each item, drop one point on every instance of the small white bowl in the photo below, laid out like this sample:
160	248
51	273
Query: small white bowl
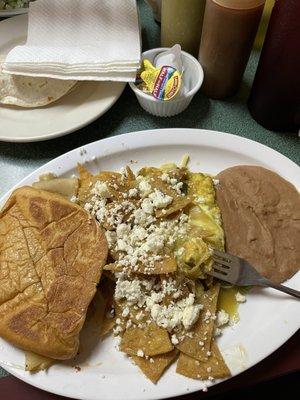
192	79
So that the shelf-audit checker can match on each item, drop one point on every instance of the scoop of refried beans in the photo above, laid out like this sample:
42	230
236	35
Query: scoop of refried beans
261	219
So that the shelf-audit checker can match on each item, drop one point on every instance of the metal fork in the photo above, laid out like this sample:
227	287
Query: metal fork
239	272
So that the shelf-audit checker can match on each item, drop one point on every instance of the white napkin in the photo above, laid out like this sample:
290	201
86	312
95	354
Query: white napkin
81	40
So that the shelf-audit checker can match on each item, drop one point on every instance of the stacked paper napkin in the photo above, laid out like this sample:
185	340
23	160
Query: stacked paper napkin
79	39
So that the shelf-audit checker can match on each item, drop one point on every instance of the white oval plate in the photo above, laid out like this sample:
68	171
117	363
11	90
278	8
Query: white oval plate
13	11
267	319
83	105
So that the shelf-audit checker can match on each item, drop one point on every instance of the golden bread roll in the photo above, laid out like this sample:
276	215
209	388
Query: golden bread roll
51	258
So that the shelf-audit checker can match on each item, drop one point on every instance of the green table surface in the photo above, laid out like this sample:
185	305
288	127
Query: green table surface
18	160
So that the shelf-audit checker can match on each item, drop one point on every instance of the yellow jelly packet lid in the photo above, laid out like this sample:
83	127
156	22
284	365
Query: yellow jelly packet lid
162	82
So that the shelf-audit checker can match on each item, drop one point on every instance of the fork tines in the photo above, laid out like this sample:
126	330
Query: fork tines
223	257
223	264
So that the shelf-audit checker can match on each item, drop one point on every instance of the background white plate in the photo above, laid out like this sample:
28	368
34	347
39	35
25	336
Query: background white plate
86	103
268	318
13	11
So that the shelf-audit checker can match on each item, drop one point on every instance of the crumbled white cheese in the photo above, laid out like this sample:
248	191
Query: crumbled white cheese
178	187
240	298
143	292
128	324
140	353
101	189
165	177
125	312
144	244
144	188
184	312
139	238
174	339
159	199
117	330
190	315
207	316
140	217
147	206
137	234
154	242
74	199
97	208
173	182
101	211
111	237
217	332
131	290
122	230
132	192
222	318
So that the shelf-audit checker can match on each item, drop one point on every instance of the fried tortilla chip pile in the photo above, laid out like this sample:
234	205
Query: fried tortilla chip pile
161	226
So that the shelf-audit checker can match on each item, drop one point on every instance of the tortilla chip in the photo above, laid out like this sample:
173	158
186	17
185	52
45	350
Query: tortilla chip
166	266
178	204
152	340
129	174
154	367
34	362
214	367
87	181
67	187
199	345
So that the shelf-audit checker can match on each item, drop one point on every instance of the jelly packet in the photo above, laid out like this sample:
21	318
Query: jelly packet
163	79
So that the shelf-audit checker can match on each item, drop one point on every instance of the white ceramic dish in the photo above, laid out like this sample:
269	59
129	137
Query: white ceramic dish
77	109
267	319
192	80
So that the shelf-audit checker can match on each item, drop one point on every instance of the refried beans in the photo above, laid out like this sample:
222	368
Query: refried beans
261	219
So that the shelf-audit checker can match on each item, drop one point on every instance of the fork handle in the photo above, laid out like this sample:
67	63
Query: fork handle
282	288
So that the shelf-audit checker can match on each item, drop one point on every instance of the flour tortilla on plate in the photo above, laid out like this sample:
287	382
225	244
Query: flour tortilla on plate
26	91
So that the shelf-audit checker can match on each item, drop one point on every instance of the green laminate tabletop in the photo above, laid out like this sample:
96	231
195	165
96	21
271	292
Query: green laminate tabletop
18	160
